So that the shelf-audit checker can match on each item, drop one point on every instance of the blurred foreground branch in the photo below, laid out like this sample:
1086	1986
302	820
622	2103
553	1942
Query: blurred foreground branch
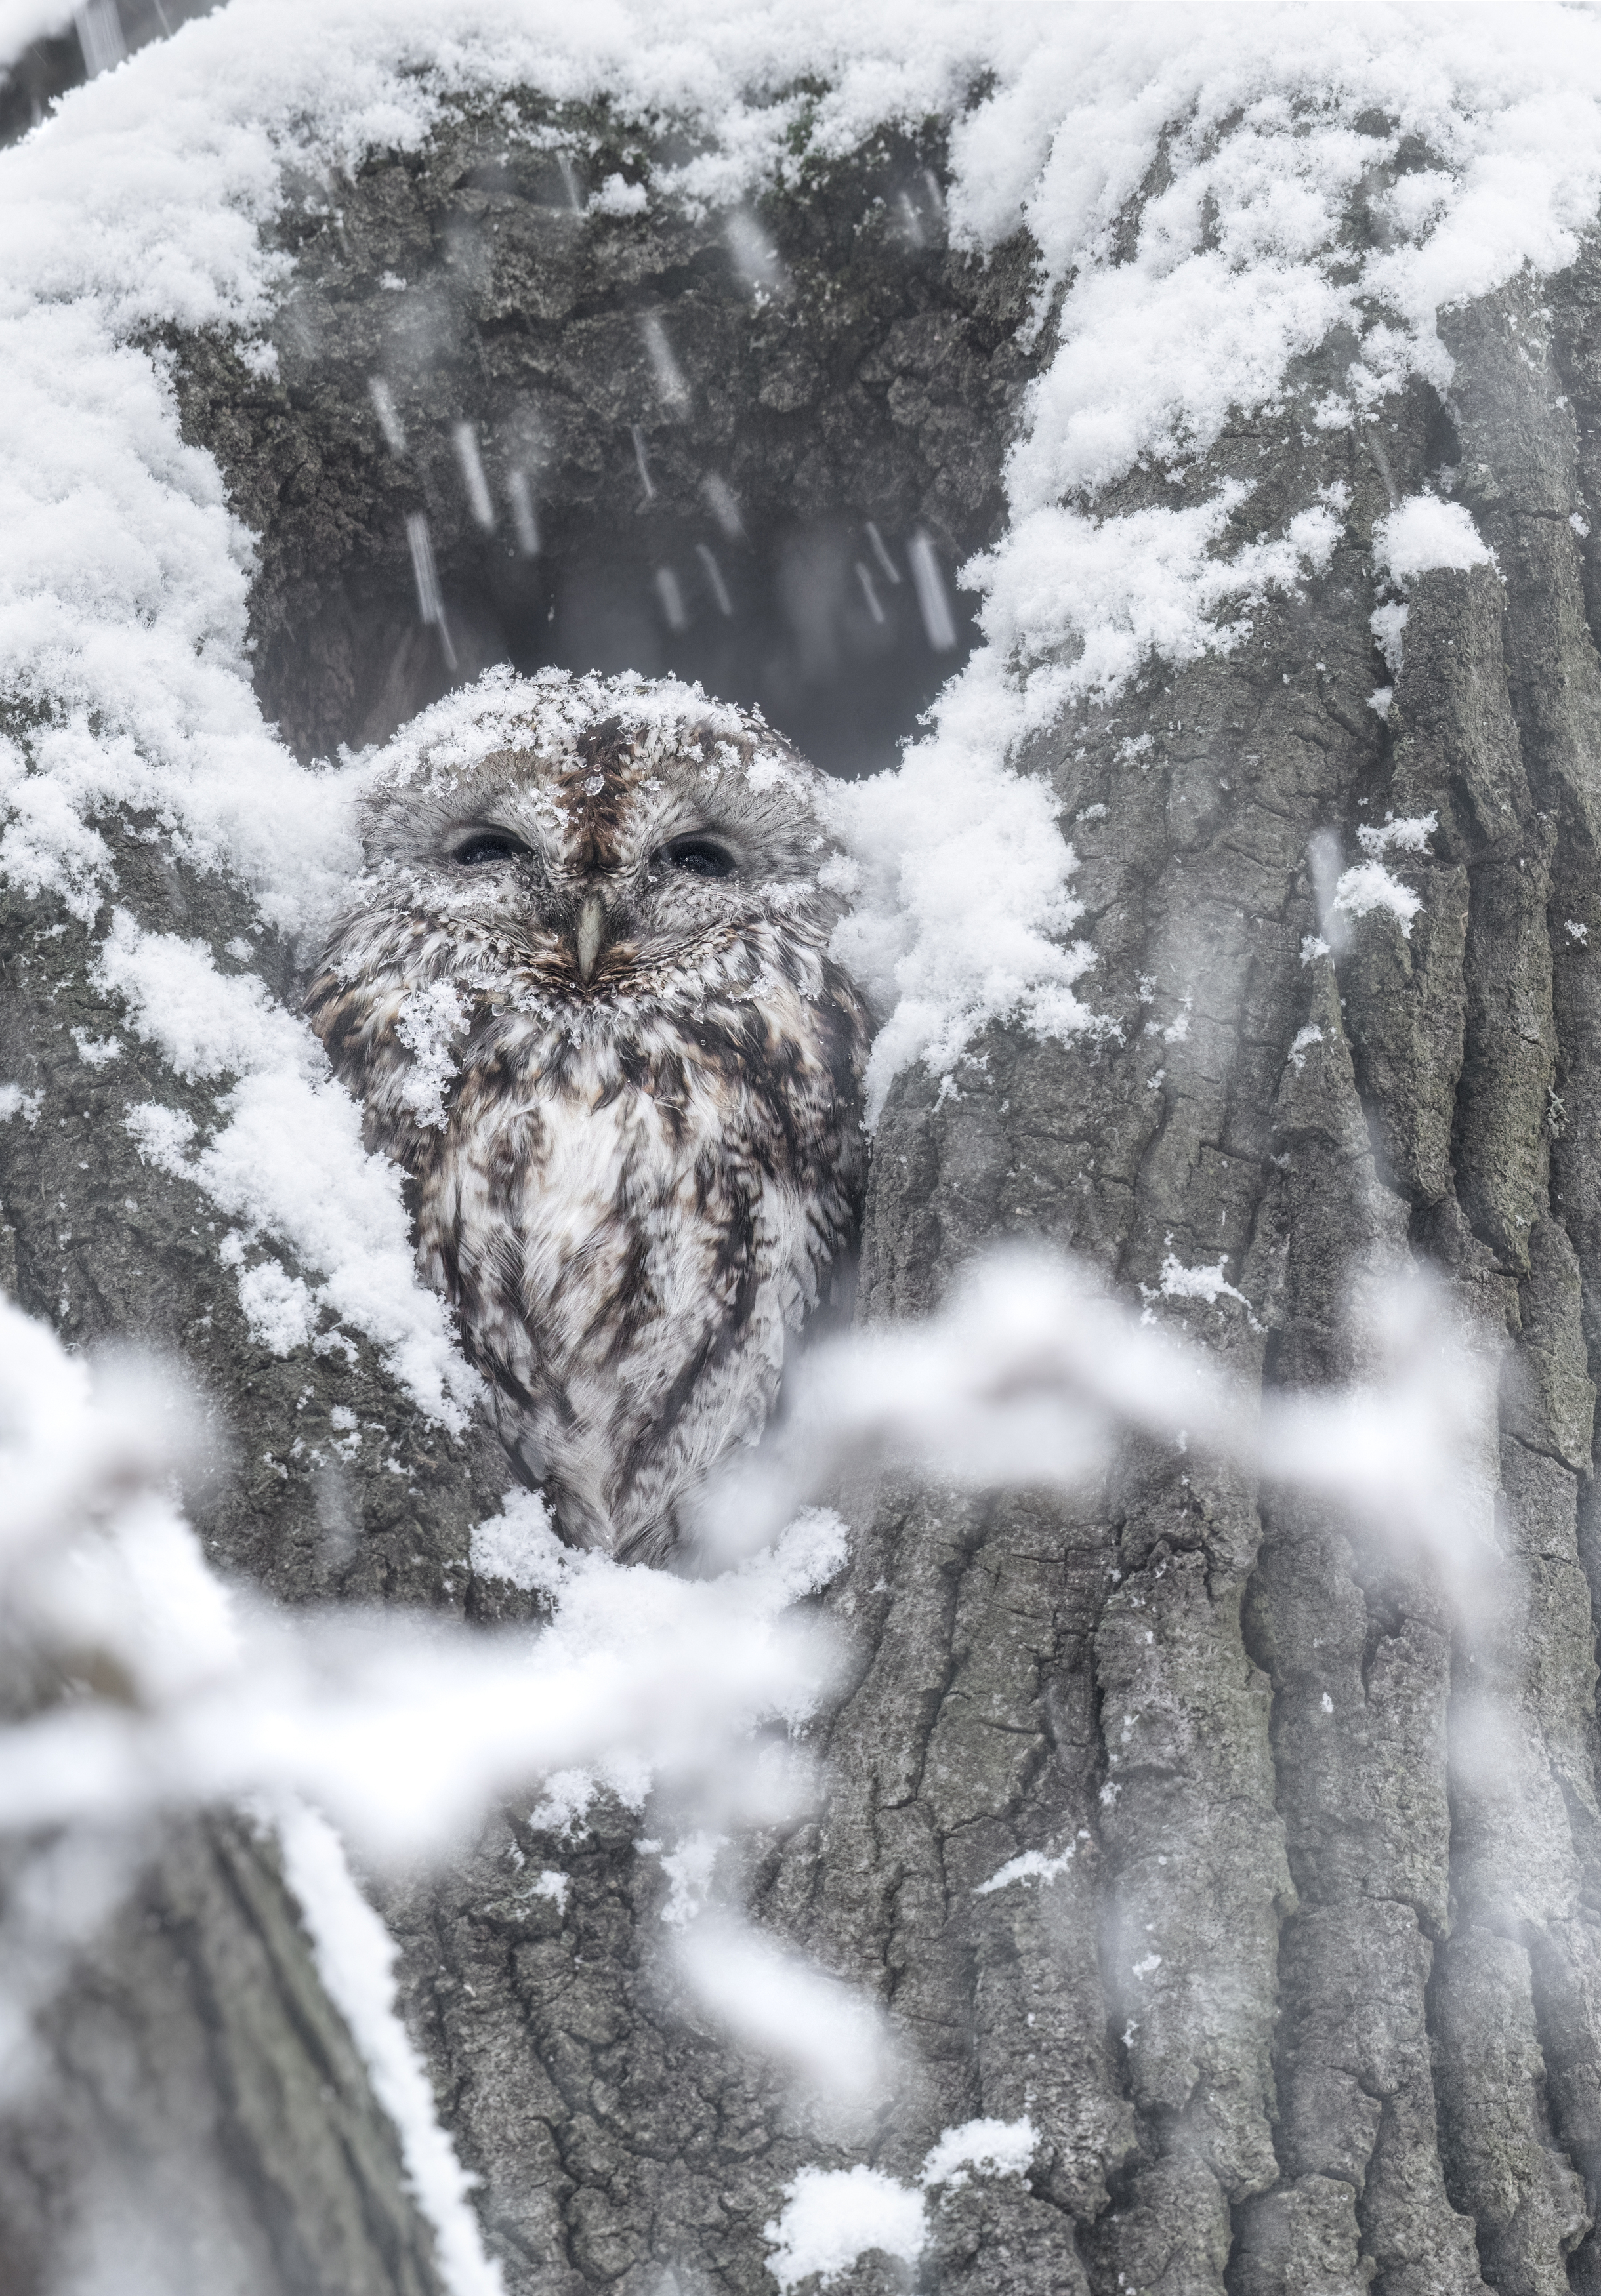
156	1691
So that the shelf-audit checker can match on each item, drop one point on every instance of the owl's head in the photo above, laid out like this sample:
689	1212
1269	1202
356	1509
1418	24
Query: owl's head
600	835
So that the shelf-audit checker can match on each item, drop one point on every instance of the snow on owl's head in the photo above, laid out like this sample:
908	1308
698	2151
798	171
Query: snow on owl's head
602	836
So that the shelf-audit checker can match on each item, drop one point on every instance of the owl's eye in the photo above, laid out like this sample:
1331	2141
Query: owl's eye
698	857
487	845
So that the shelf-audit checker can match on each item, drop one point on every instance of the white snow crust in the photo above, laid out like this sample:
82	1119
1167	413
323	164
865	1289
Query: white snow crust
1212	1284
354	1957
834	2216
994	2148
515	1544
1029	1865
1411	835
1423	533
288	1162
1370	886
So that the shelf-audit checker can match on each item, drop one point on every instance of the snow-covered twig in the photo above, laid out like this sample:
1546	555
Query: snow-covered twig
1034	1373
159	1692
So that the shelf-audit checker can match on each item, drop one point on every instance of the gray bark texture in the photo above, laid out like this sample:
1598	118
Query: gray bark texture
206	2123
1316	2002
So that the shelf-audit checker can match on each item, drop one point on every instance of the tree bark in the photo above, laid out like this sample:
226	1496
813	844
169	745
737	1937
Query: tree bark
204	2120
1315	1999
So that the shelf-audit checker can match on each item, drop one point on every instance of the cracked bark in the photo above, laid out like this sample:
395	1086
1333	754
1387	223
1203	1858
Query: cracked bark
1316	1998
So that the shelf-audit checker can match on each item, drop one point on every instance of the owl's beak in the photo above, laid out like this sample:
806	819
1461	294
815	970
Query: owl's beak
590	938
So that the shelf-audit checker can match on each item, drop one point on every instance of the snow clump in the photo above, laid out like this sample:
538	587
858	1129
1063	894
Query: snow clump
1369	886
1031	1865
1424	533
834	2216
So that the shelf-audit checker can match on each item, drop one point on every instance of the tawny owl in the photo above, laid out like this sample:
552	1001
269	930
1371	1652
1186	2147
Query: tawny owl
585	995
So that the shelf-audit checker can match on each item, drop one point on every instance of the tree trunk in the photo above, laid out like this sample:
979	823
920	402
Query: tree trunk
205	2122
1312	1997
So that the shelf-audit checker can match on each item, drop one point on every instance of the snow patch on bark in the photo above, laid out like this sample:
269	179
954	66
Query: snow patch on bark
963	913
1370	887
287	1161
774	2002
1424	533
1212	1284
1031	1865
834	2216
355	1957
516	1544
1411	835
1388	623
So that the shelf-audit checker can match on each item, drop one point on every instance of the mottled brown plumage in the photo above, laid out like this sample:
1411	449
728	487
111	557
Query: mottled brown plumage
583	992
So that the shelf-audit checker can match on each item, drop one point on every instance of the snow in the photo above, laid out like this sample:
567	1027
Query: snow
691	1870
278	1308
997	2148
1305	1039
15	1102
1235	271
160	1135
404	1730
1032	1375
613	1614
1388	623
773	2001
1370	887
1424	533
287	1159
1177	1281
22	21
834	2216
354	1957
1410	835
1419	535
430	1022
974	856
515	1544
401	1729
1031	1865
135	1587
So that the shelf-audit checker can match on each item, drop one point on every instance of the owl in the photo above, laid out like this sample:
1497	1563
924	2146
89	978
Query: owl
583	991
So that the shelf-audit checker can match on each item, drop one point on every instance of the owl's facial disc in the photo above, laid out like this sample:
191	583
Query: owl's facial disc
611	859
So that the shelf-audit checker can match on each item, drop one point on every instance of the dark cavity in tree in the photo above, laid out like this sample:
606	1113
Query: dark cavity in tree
524	413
